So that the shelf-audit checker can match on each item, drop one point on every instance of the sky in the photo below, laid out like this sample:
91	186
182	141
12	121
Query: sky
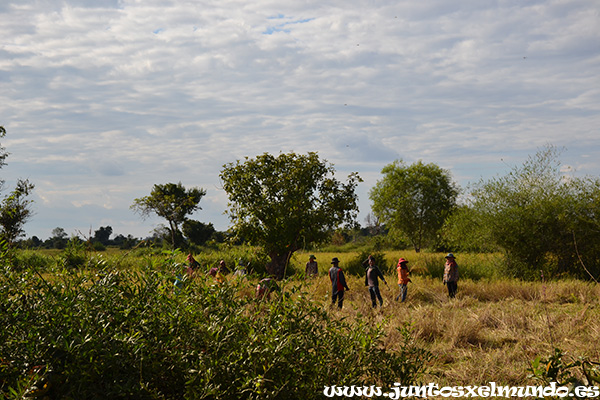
102	99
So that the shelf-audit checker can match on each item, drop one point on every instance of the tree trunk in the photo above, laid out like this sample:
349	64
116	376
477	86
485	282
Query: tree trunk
276	266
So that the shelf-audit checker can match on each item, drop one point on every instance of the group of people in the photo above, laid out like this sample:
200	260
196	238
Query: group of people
264	288
373	274
337	277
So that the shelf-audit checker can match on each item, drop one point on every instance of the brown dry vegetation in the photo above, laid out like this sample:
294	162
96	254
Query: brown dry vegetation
491	331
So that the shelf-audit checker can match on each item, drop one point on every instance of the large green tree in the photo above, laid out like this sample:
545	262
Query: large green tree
171	201
414	200
284	203
542	218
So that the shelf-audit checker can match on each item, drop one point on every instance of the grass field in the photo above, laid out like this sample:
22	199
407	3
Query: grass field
491	332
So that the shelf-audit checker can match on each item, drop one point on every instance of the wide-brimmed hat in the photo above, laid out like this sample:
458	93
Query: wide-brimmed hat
450	255
312	257
335	260
402	260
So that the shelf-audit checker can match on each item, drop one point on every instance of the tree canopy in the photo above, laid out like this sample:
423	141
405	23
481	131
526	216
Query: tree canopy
15	211
541	217
284	203
171	201
414	200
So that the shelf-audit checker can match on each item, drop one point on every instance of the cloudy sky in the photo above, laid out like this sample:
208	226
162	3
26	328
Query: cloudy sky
102	99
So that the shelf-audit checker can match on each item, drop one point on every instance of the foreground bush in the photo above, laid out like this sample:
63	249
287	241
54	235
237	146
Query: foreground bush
119	334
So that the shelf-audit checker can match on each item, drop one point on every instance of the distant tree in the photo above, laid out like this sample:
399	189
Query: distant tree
30	243
102	235
197	232
373	225
414	200
58	239
172	202
15	211
124	242
59	233
287	202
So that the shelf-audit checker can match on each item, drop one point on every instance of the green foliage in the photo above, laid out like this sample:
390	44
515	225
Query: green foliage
571	373
414	201
15	208
15	211
128	334
357	266
286	203
74	256
197	232
534	214
31	259
464	231
172	202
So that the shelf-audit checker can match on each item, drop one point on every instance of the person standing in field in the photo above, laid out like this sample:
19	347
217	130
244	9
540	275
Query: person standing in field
451	275
192	264
403	278
372	281
338	283
312	268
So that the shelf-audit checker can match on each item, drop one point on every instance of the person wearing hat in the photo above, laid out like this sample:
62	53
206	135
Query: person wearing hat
312	268
451	275
403	278
372	276
338	283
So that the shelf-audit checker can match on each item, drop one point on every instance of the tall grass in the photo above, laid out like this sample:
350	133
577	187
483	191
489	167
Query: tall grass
117	324
485	266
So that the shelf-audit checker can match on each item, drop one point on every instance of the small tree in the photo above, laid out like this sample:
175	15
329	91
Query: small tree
172	202
15	208
414	200
286	202
15	211
102	235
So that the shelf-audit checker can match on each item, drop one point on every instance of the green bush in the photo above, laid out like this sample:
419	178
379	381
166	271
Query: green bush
28	258
74	255
131	334
357	268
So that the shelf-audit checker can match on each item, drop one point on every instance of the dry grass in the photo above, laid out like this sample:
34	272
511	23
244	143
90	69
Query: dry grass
491	331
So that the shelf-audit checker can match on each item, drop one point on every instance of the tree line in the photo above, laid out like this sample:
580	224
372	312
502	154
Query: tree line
541	219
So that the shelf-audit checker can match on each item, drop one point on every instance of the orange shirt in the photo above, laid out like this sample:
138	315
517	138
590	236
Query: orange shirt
403	278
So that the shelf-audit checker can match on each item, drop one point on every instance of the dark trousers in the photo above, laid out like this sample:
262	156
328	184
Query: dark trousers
402	294
375	295
452	287
339	296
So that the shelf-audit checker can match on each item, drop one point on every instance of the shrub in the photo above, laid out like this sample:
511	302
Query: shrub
129	334
31	259
74	255
357	268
